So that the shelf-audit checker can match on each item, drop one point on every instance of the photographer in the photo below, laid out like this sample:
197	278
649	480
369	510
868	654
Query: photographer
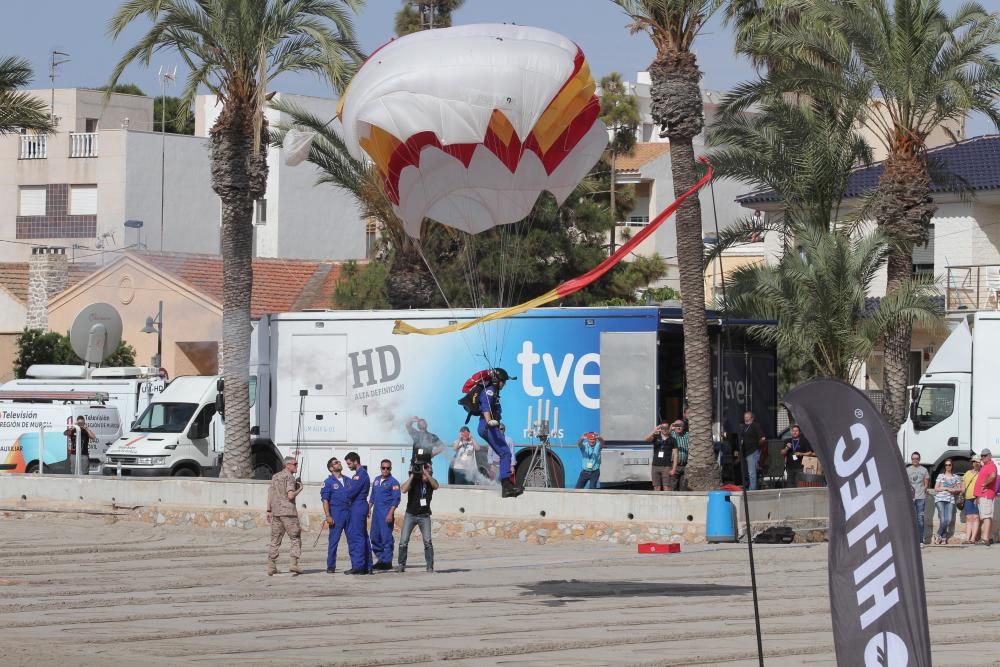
464	465
664	456
419	488
425	443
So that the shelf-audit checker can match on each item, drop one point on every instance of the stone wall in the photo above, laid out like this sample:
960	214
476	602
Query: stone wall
48	275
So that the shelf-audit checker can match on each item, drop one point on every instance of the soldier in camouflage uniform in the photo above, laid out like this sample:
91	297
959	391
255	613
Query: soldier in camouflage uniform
283	517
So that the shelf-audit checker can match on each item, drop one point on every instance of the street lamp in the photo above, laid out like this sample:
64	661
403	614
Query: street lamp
155	325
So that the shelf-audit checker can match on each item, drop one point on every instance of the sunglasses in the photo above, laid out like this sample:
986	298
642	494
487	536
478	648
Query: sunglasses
386	467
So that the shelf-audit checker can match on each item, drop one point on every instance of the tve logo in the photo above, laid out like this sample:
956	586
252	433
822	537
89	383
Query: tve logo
558	375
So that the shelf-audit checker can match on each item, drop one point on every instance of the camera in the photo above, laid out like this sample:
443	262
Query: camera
421	456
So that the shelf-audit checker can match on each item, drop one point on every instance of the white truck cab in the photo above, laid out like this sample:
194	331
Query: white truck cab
180	433
954	409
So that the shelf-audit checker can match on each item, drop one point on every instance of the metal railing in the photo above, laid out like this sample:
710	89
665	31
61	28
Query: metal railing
34	146
971	288
83	144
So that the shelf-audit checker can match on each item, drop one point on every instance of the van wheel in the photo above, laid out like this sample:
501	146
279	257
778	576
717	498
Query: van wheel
184	472
32	468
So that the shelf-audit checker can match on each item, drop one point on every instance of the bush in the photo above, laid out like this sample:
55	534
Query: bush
35	346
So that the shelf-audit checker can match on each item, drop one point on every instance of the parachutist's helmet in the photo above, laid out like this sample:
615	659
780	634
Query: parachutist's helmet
498	375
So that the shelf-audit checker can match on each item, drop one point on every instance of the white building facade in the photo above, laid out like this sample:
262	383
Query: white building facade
104	181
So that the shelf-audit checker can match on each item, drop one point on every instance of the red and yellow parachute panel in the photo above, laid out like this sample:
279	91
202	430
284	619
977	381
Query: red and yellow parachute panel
468	125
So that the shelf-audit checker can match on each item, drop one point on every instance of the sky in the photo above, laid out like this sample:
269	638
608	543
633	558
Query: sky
33	28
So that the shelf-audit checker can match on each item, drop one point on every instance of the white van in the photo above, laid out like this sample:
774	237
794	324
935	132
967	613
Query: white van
33	425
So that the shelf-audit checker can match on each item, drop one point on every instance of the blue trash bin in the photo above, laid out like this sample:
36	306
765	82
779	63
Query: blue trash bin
720	522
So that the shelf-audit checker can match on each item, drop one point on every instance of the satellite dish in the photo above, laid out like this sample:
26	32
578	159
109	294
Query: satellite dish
96	333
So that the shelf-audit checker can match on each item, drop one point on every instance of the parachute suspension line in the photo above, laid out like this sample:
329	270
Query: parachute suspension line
420	251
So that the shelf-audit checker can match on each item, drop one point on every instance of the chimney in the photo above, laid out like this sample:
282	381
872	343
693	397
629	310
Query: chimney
48	275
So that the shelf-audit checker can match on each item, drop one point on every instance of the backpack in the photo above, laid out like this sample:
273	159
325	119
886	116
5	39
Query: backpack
471	390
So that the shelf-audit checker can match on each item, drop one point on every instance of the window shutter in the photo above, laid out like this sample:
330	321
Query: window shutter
32	200
83	200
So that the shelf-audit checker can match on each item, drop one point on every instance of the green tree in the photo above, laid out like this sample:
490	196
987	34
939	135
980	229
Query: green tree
620	112
235	49
673	26
19	110
361	287
922	70
417	15
123	89
178	116
35	346
818	297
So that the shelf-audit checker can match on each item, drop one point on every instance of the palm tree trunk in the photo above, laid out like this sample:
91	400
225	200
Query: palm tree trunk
614	211
677	106
409	283
701	471
239	176
903	213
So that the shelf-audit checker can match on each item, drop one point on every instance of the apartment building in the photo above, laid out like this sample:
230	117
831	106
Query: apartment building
104	182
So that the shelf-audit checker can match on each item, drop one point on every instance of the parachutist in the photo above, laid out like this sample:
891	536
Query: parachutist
489	428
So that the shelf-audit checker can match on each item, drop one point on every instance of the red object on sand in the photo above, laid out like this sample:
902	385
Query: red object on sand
654	548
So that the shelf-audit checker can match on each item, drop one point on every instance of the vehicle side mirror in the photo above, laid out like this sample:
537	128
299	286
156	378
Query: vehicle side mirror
220	404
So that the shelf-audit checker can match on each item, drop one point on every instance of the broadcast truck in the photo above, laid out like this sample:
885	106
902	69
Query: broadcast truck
954	410
341	381
33	425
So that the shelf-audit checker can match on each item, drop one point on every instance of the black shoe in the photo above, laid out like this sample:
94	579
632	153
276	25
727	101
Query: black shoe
354	571
507	489
331	570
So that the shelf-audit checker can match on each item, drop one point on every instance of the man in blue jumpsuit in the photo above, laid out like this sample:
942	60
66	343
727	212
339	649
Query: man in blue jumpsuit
383	503
337	507
489	429
358	544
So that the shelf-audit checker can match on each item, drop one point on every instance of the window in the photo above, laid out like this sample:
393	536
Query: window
260	212
201	426
936	403
637	221
253	390
83	200
32	200
90	125
371	233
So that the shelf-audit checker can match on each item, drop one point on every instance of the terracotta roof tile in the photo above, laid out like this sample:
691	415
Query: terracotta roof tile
643	153
279	285
14	276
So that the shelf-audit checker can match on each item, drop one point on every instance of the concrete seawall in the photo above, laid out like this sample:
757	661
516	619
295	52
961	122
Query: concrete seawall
538	516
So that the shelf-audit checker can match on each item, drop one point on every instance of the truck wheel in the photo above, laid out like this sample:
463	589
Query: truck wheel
263	471
184	472
534	476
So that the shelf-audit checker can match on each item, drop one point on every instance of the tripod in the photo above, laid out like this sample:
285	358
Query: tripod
540	455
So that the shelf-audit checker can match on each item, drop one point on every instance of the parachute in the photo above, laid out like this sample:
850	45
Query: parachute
468	125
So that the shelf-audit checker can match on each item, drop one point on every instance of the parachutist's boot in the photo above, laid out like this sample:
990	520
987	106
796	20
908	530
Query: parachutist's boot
272	568
294	567
507	489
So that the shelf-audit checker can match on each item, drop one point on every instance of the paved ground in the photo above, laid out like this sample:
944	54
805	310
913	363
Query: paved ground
87	592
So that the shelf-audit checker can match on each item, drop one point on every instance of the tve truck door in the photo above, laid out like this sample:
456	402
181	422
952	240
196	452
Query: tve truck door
628	385
319	368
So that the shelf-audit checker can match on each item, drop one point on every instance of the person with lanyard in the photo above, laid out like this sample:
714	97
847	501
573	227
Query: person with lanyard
680	456
590	445
86	435
969	500
419	488
795	449
664	453
337	508
359	545
382	505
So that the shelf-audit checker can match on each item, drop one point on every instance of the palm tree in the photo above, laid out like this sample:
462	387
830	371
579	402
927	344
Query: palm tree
924	70
20	111
235	49
818	297
417	15
677	107
620	112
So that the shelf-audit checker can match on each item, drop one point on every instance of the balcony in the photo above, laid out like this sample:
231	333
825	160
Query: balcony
34	146
971	288
83	144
